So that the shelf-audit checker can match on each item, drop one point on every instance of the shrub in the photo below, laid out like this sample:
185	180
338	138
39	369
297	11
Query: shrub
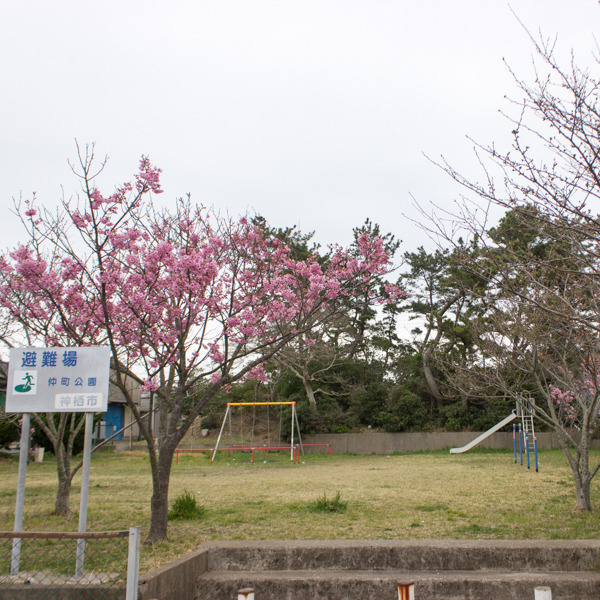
456	417
404	412
186	507
367	403
324	505
9	430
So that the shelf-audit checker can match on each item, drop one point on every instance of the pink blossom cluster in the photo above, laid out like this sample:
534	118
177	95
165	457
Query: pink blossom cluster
181	287
565	403
572	404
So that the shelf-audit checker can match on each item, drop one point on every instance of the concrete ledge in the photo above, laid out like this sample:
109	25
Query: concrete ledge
175	580
418	555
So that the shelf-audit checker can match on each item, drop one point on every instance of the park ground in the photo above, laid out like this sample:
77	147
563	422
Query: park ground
434	495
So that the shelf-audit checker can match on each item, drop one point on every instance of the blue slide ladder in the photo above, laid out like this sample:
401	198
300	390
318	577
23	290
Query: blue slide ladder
527	439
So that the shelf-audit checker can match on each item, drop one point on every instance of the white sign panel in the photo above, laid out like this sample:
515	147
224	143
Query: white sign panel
58	380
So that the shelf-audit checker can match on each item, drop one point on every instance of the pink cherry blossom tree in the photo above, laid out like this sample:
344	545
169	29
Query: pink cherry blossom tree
189	302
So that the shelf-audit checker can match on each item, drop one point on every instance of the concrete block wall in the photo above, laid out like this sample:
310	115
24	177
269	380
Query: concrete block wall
388	443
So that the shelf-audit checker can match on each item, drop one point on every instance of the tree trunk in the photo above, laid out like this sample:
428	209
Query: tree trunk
583	480
63	494
579	463
582	491
310	394
159	502
430	346
430	379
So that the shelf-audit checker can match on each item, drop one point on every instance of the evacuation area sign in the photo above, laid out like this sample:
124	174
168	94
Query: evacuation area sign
58	380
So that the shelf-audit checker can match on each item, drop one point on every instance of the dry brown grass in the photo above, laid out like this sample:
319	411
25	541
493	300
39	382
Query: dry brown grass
418	496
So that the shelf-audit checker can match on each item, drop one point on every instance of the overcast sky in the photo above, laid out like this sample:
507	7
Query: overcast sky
313	113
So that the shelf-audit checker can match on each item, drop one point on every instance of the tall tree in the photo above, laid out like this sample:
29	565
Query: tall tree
444	298
188	302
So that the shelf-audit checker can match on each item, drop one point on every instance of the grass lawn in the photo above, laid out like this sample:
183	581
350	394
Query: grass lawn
481	494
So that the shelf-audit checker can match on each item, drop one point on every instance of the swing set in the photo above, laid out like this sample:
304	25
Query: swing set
248	443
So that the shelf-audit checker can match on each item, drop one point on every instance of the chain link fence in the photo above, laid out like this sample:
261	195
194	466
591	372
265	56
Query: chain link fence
69	566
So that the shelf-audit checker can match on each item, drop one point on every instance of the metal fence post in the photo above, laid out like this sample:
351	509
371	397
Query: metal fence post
18	526
85	487
406	590
245	594
133	564
543	593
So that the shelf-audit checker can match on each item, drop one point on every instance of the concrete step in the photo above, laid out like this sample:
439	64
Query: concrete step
382	585
405	555
370	570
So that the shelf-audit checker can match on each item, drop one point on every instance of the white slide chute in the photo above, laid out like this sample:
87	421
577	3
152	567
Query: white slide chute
482	437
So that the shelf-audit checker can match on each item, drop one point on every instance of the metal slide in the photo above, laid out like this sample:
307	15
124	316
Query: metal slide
482	437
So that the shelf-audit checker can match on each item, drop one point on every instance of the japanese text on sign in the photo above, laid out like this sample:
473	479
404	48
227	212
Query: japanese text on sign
58	379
